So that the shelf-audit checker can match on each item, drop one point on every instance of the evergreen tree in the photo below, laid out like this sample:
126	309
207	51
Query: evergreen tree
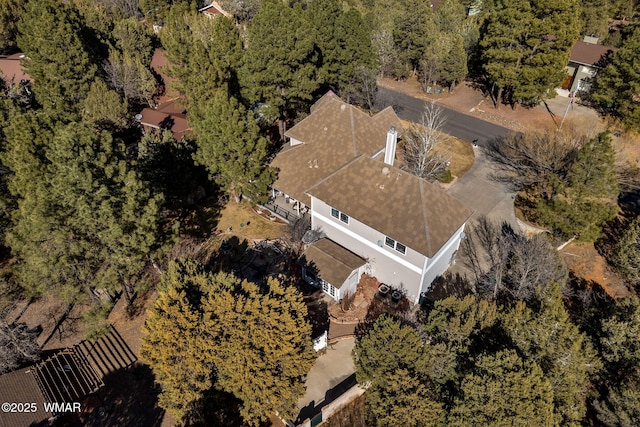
412	32
229	145
174	344
344	43
589	199
628	253
204	56
526	46
595	17
564	354
263	359
388	361
280	61
104	108
84	220
618	342
51	36
10	11
132	37
617	86
504	390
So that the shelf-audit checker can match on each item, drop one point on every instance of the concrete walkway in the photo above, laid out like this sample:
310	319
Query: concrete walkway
330	376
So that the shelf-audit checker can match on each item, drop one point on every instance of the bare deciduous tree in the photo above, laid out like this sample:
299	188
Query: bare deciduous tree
508	264
17	345
382	41
423	153
129	77
534	159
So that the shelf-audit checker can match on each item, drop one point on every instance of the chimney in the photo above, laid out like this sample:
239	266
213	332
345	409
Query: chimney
390	148
591	39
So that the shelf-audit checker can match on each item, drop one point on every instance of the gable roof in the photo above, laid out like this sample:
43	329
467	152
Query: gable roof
333	262
170	116
589	54
404	207
214	9
332	135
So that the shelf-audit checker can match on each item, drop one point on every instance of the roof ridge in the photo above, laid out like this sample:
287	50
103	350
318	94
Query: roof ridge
334	173
321	107
421	183
353	133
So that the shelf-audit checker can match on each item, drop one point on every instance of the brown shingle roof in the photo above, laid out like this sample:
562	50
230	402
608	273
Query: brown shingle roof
589	53
333	262
170	116
21	387
406	208
332	135
11	69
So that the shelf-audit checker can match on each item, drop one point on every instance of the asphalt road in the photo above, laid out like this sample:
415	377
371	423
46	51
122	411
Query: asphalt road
467	128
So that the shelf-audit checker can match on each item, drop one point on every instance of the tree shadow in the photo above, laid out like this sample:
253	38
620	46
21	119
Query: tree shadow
314	408
129	398
203	220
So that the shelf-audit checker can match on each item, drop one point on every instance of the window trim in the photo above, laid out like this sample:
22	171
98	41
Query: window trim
389	242
395	245
337	214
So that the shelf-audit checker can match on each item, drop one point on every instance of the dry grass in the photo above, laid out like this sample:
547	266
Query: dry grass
459	152
233	215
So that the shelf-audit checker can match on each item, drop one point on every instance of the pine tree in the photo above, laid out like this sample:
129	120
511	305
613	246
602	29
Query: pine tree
51	36
617	86
204	55
504	390
526	46
388	361
412	32
132	37
84	219
280	61
628	253
589	199
344	43
261	359
104	108
229	145
10	11
564	354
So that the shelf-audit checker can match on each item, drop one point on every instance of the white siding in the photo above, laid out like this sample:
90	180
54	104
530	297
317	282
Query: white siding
386	264
441	261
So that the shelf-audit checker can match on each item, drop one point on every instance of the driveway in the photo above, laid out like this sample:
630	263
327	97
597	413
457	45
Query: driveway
480	192
330	376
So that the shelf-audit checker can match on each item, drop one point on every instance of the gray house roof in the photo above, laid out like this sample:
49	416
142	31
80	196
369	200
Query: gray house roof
333	134
406	208
333	261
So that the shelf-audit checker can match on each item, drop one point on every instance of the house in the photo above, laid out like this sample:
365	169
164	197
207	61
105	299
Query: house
376	218
586	58
169	113
214	10
12	71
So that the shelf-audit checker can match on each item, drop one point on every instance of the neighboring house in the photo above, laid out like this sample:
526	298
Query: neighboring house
214	10
376	218
587	57
169	114
11	70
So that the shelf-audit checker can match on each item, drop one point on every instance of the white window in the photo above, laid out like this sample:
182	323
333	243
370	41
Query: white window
340	215
395	245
